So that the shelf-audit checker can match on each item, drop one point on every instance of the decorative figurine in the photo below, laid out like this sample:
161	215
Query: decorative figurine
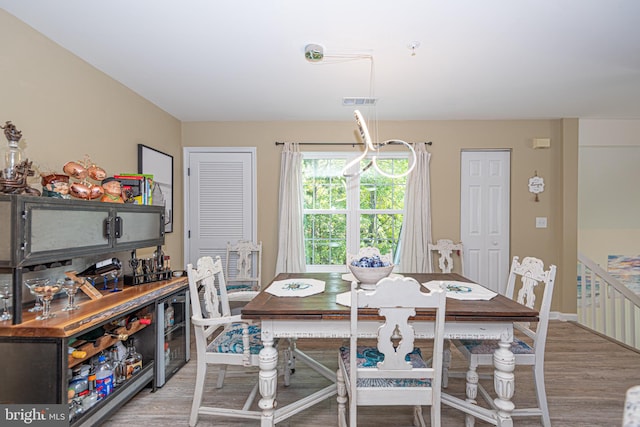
14	174
112	190
11	132
127	194
55	185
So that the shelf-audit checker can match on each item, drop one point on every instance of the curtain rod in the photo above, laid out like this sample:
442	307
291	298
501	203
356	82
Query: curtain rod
353	144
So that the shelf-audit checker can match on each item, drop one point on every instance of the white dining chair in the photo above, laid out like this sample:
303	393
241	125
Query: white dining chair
444	249
222	339
393	372
631	415
526	277
243	270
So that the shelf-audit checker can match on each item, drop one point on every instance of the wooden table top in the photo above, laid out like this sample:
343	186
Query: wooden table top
324	306
91	312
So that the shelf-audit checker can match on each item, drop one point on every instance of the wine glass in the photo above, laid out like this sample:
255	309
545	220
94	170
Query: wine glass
5	293
30	283
70	287
46	291
115	274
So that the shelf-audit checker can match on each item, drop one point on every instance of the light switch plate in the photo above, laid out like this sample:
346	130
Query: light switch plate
541	222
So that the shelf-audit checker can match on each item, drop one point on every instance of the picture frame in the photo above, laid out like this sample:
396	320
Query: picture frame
160	165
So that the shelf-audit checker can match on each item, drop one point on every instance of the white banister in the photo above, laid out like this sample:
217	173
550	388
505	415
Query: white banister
605	304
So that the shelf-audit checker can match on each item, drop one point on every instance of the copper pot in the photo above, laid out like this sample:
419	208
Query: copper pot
97	173
86	191
80	190
75	170
95	192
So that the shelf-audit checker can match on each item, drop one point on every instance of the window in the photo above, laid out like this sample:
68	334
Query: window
344	214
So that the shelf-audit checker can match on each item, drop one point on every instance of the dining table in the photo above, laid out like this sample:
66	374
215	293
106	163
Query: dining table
312	305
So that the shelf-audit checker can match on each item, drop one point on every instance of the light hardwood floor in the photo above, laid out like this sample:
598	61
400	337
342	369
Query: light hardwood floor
586	380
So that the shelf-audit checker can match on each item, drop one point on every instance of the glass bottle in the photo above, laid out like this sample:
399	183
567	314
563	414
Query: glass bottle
133	361
119	371
12	153
92	398
12	158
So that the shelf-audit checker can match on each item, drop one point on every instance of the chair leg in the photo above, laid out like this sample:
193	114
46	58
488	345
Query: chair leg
418	419
342	399
472	389
286	353
446	363
541	394
201	372
221	374
292	360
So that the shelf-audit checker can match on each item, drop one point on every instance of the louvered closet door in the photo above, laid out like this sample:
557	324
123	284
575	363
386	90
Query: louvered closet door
220	200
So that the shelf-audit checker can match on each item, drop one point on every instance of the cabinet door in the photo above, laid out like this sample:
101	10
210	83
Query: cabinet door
139	226
56	230
45	230
6	233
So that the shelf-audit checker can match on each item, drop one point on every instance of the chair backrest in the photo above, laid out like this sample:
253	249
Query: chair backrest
208	289
527	277
246	256
445	248
396	300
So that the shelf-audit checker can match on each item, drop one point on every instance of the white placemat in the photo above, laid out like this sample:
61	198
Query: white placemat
350	278
344	298
296	287
461	290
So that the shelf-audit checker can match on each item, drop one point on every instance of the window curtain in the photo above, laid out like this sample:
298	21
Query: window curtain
291	258
416	226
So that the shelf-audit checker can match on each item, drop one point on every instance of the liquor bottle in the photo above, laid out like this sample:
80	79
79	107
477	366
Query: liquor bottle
133	362
102	268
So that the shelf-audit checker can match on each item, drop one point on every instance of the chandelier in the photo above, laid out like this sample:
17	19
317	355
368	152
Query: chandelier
369	145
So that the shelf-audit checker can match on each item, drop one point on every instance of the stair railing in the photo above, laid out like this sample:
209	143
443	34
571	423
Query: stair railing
607	305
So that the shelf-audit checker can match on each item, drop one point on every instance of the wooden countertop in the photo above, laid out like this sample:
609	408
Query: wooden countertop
91	312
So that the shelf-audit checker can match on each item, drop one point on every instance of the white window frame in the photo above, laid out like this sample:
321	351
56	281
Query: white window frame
353	211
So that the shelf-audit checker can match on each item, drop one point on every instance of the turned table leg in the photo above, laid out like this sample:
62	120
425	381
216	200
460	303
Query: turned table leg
504	382
268	379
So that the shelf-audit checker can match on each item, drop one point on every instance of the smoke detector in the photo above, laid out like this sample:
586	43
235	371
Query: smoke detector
314	52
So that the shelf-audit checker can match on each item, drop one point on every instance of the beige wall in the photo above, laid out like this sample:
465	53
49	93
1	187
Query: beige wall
608	220
66	109
449	139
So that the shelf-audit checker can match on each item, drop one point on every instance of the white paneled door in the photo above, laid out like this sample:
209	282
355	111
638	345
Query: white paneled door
484	216
220	199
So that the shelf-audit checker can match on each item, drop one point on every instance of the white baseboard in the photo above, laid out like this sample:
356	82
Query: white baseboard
565	317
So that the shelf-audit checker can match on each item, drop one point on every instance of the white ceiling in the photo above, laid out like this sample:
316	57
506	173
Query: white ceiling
204	60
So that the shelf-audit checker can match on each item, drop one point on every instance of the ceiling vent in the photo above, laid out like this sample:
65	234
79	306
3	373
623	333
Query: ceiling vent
351	102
